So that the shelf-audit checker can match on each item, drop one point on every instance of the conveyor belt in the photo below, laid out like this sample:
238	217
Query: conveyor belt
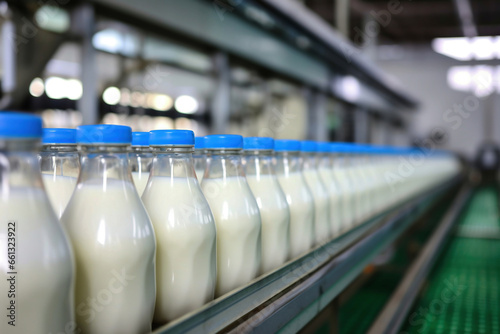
482	219
290	297
462	295
361	309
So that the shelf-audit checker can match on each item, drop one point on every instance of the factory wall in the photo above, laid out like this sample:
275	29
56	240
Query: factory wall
452	119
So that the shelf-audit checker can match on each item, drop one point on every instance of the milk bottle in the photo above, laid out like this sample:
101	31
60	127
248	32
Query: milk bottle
325	165
140	159
358	170
60	165
199	157
184	227
377	177
367	164
385	183
112	236
356	182
273	207
318	190
298	195
235	211
343	178
36	262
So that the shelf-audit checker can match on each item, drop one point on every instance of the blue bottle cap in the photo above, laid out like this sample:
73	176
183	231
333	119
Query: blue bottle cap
15	125
357	149
199	143
171	138
323	147
286	145
59	136
340	148
308	146
258	143
140	138
224	142
105	134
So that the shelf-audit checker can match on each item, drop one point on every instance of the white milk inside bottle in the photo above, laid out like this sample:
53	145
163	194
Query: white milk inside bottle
60	165
36	262
236	213
358	170
112	236
298	196
200	157
325	164
366	163
379	195
346	188
350	164
320	194
140	160
273	207
184	227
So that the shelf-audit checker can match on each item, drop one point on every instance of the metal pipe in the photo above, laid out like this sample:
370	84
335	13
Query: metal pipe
342	16
88	104
466	17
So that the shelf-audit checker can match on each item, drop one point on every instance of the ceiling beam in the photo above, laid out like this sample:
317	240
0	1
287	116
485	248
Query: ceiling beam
466	17
359	7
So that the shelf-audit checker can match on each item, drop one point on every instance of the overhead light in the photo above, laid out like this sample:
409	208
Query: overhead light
160	123
497	47
74	89
108	40
160	102
484	84
111	118
478	80
460	78
125	97
60	88
186	104
111	96
483	48
137	99
52	18
37	87
464	48
455	47
350	88
183	123
56	88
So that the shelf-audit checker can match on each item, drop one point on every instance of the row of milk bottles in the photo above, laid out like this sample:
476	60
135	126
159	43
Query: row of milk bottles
115	263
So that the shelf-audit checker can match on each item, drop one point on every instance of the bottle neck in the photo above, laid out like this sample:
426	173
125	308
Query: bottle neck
325	160
101	163
341	161
59	148
199	153
310	161
19	165
288	162
224	163
59	160
140	149
140	159
259	163
173	162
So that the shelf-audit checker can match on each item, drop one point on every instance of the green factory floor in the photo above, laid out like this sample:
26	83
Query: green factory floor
461	294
